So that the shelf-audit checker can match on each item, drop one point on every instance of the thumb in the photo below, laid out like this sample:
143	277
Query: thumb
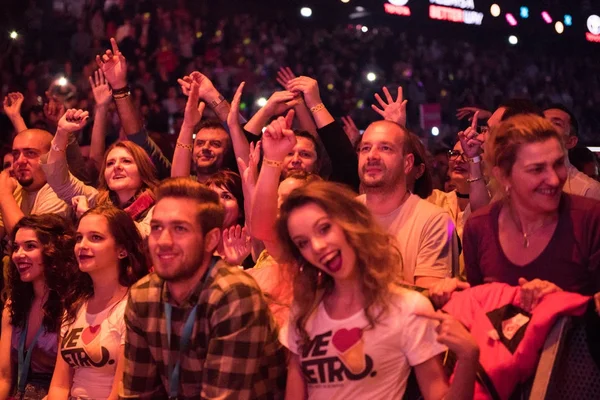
523	281
462	285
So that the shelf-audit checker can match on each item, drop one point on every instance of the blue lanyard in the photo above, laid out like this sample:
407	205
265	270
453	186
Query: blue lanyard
186	334
25	360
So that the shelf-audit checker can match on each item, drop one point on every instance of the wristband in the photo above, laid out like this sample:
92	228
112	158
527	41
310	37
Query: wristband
272	163
215	103
120	96
184	146
124	89
475	160
317	108
474	179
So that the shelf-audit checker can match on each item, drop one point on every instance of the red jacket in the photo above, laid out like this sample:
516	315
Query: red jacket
509	351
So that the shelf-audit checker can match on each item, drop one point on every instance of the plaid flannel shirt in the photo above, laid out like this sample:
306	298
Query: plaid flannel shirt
234	351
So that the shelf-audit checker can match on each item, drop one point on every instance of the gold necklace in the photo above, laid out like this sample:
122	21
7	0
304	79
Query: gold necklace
526	235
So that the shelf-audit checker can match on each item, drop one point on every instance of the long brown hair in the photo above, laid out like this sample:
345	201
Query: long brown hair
145	166
57	239
131	268
379	262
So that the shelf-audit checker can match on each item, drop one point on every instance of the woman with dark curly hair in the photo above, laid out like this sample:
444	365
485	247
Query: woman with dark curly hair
38	276
111	257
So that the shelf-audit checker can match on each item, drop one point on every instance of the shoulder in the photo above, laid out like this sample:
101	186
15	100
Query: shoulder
407	301
146	289
232	282
483	216
574	203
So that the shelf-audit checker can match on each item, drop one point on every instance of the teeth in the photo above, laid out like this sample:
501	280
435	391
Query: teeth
547	191
329	257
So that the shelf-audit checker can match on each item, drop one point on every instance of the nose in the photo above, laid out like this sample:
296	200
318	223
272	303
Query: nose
553	179
164	238
20	159
82	244
296	159
20	252
318	244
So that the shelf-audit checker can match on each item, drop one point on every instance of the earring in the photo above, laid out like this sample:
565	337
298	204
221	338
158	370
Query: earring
122	255
301	268
507	190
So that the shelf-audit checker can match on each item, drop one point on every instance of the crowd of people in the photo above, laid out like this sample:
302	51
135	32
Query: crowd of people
278	252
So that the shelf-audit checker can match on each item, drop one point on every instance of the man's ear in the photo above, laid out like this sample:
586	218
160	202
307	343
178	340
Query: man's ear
571	142
211	240
409	163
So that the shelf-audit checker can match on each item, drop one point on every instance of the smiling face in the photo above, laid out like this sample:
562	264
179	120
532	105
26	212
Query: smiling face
210	149
458	167
302	158
121	172
229	202
322	242
176	240
537	176
95	247
27	255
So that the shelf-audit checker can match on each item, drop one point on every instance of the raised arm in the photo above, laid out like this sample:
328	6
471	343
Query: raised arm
278	140
303	115
241	147
182	157
12	108
471	143
278	103
393	110
103	97
208	93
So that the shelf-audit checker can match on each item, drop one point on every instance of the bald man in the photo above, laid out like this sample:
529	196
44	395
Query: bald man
424	233
27	193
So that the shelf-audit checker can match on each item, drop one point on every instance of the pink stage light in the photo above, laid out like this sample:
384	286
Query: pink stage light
512	21
547	18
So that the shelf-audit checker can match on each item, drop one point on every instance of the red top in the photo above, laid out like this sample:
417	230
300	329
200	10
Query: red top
571	260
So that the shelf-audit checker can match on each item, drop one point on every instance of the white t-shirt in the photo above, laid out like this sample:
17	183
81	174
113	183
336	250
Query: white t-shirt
425	236
345	361
580	184
91	346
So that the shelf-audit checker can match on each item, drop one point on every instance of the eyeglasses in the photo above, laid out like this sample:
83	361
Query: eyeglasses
455	154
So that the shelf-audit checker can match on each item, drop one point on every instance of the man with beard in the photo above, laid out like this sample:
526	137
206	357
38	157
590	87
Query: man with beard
27	193
212	148
424	233
196	327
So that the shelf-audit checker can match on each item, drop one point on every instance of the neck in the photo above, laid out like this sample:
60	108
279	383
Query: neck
348	291
106	283
382	201
462	186
39	289
125	195
529	219
181	289
202	177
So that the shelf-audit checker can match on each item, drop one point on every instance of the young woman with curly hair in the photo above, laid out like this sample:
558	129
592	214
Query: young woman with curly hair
354	332
38	276
111	257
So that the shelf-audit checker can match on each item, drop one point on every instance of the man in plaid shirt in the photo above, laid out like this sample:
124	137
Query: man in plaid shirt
197	328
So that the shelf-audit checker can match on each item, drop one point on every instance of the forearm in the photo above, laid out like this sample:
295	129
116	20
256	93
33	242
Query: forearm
218	104
60	141
241	147
463	384
130	120
98	140
264	203
182	157
11	212
75	160
58	393
305	119
5	384
321	117
478	193
258	121
18	123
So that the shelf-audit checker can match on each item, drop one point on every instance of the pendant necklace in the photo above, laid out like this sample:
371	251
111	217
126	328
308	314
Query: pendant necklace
527	235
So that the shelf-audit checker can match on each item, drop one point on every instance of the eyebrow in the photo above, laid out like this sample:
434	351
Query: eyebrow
171	222
314	225
541	164
26	149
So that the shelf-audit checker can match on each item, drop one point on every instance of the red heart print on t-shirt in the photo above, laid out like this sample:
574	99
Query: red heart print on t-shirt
90	333
343	339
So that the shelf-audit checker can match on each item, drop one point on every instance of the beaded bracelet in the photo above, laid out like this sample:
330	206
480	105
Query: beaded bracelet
272	163
317	108
184	146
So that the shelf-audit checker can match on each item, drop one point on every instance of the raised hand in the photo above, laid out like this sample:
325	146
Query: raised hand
193	111
280	102
54	109
533	291
470	140
234	110
351	130
73	120
284	76
8	184
236	245
114	66
394	111
279	139
100	89
441	291
308	87
205	85
470	112
454	335
12	104
80	205
249	172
